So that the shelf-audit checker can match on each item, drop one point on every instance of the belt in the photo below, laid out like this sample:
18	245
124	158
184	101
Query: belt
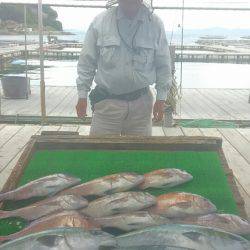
132	96
98	94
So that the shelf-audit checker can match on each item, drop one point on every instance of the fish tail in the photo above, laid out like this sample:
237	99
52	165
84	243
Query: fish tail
5	214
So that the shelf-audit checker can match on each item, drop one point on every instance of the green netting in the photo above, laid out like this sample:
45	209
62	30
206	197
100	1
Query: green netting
209	178
207	123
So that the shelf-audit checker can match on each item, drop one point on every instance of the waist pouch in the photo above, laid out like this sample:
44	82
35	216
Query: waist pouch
99	94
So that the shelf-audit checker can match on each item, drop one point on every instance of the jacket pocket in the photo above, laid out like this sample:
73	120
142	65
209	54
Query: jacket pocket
143	58
109	52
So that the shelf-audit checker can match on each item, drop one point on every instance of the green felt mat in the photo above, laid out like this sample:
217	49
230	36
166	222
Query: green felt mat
209	178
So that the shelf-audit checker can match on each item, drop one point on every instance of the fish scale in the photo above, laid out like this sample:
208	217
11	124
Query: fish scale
183	236
63	239
119	203
47	206
107	185
42	187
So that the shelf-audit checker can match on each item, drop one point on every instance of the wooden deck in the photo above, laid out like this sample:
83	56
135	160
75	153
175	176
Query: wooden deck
219	104
236	145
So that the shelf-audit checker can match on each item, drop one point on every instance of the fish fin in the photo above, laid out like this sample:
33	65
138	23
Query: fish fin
193	235
185	204
50	240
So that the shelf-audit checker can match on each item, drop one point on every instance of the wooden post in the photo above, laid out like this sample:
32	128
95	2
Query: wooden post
41	50
25	41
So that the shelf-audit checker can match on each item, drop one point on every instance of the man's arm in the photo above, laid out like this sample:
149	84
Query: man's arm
163	73
86	69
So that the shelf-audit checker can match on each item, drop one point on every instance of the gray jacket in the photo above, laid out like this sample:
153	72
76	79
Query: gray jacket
107	60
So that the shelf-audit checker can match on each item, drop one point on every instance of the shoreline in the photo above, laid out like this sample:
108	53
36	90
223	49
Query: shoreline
52	33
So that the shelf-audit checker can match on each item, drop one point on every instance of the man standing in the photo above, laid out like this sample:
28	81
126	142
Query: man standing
125	51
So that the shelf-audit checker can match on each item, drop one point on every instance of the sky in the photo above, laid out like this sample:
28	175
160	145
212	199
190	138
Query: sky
80	18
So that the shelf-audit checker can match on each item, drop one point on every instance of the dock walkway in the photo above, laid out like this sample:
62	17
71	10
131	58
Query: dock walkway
236	146
217	104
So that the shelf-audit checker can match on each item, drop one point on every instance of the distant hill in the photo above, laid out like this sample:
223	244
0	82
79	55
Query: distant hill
12	14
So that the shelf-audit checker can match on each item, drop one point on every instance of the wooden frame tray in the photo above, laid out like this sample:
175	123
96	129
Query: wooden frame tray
73	141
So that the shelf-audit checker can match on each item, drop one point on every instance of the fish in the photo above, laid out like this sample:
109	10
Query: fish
63	239
155	247
42	187
107	185
63	219
165	178
119	203
228	222
183	237
131	221
182	204
46	207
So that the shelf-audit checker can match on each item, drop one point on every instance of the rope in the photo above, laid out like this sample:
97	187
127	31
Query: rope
175	92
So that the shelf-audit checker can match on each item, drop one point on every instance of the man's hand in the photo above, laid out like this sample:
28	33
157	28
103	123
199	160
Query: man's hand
158	110
81	107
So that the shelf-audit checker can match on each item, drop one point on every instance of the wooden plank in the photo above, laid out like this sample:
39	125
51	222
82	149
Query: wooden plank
49	128
215	97
245	197
224	104
191	131
8	132
69	128
227	102
21	106
20	165
157	131
36	105
238	164
245	132
188	103
9	151
68	105
184	109
172	143
216	111
60	99
4	175
84	130
172	131
2	126
56	98
238	142
31	106
201	104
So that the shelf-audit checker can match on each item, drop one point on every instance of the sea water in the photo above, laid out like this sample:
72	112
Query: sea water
194	75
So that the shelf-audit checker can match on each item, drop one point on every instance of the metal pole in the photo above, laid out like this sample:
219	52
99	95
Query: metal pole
25	40
155	7
25	45
41	50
